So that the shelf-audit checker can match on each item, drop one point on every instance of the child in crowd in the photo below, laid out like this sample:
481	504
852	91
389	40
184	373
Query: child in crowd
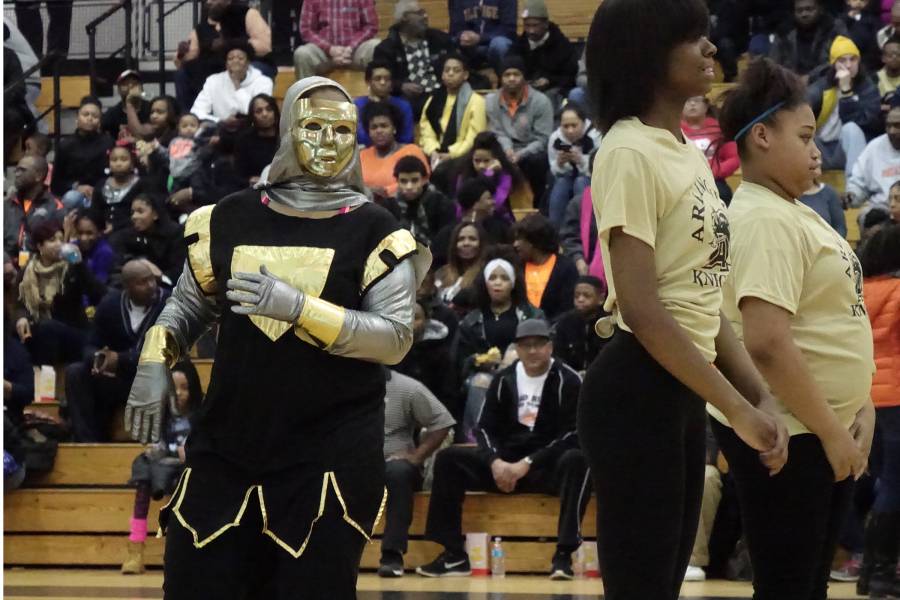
418	205
113	195
90	235
182	152
568	151
157	469
574	339
487	158
702	128
823	199
889	75
38	144
81	157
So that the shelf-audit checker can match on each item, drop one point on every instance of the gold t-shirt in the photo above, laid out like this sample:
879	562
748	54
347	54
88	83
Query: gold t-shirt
786	254
661	191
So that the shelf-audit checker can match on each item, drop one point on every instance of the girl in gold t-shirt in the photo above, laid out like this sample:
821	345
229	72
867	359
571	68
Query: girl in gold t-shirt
796	295
664	237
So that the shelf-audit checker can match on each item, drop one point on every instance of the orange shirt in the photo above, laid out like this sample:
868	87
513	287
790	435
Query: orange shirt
536	278
379	172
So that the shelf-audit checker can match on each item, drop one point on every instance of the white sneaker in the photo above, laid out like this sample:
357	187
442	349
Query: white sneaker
694	574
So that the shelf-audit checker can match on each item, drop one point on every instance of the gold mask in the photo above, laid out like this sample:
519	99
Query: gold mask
324	135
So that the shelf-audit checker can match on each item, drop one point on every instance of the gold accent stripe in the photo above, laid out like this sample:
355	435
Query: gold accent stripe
321	319
199	257
400	244
284	545
175	492
159	347
198	543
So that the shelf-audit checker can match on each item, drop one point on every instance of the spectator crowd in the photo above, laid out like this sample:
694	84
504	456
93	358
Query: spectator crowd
477	140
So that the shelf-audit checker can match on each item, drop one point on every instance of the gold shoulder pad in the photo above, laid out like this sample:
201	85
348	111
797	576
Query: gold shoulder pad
389	251
197	238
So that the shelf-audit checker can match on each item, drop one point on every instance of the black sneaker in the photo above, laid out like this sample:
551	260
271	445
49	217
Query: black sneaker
391	565
562	567
447	565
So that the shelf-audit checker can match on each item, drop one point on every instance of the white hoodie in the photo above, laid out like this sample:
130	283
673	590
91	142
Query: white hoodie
875	171
219	99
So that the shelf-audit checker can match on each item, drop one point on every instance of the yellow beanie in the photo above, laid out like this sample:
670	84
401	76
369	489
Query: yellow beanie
842	46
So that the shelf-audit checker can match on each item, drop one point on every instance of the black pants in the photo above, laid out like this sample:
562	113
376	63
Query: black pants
458	469
28	18
92	401
245	564
535	167
644	436
53	342
403	479
792	520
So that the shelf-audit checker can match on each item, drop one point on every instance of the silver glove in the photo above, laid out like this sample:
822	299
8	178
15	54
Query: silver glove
143	412
264	294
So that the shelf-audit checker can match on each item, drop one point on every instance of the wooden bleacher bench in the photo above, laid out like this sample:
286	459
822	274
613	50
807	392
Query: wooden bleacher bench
72	88
86	524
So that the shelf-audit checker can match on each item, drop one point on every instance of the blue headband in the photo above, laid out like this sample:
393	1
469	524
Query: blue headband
758	119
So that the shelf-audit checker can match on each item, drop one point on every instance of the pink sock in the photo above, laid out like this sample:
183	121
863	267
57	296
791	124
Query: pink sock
138	530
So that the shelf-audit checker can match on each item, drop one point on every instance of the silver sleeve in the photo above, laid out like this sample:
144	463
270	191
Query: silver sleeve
189	312
382	331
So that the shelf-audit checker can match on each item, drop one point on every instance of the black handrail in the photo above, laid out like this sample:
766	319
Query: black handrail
161	26
91	29
45	60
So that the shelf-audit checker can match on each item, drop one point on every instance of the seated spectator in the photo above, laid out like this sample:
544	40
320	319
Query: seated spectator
151	235
578	236
215	177
89	232
894	206
156	470
182	152
823	199
113	195
568	153
862	27
226	21
702	128
29	203
574	339
81	157
551	63
161	126
807	45
501	305
414	50
380	80
877	168
430	357
549	276
526	443
52	290
418	205
522	119
889	75
453	115
227	95
465	259
115	120
411	412
337	35
893	25
18	372
487	158
255	147
846	104
38	144
378	160
99	384
484	30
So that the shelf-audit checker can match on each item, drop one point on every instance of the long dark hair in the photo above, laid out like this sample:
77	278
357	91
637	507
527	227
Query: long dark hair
273	104
173	112
195	390
486	140
628	49
518	295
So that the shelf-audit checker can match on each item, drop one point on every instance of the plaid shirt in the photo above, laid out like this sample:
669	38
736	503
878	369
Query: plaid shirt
327	23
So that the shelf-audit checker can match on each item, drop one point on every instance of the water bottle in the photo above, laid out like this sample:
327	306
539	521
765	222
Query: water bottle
70	253
498	559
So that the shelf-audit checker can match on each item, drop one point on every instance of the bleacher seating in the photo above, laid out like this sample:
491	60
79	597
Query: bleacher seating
78	515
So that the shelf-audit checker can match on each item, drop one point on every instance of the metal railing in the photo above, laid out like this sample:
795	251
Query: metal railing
162	13
54	59
127	48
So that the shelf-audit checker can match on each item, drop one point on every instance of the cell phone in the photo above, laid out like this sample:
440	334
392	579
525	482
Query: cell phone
565	147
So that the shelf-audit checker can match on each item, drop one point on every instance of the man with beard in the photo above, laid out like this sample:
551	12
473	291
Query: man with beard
806	46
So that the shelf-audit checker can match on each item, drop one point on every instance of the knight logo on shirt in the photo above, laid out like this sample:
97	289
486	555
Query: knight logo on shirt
711	228
854	273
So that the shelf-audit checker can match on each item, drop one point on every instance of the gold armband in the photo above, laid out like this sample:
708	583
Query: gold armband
159	347
321	319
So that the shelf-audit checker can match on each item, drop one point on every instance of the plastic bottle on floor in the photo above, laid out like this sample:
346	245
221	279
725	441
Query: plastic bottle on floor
498	559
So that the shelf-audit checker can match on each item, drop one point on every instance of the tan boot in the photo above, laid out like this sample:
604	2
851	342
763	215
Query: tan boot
134	564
